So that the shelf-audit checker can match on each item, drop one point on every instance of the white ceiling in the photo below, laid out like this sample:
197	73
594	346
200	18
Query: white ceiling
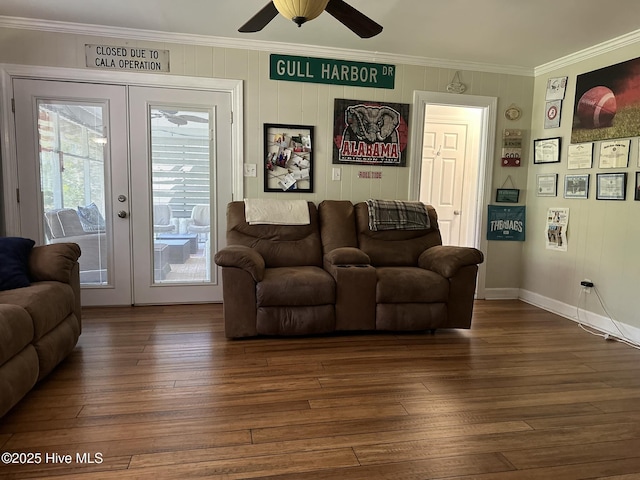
519	34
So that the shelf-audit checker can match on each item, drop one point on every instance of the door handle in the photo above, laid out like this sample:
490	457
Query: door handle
457	212
122	214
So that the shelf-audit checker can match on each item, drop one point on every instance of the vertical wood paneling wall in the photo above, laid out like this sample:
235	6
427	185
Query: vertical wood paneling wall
268	101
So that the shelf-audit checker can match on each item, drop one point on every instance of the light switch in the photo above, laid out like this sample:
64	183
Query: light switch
250	170
335	174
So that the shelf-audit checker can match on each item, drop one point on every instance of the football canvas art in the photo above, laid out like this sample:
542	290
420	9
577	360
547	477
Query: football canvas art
607	103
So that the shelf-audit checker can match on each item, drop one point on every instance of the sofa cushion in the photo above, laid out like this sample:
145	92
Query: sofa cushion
16	331
395	247
295	286
17	376
90	218
63	222
14	262
410	285
48	304
279	245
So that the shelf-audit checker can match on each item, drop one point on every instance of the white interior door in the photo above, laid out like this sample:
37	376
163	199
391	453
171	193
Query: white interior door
71	142
450	168
133	176
443	158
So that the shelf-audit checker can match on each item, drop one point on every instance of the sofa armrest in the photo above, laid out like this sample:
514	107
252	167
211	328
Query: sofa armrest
243	257
53	262
446	260
346	256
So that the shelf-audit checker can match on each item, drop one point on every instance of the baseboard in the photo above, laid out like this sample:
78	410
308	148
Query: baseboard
590	319
501	293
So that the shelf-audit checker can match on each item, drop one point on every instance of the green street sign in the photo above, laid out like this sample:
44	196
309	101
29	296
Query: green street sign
334	72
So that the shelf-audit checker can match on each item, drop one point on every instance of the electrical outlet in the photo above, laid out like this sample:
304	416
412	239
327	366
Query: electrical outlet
336	174
250	170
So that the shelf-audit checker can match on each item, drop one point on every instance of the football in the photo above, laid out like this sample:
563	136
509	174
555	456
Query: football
597	107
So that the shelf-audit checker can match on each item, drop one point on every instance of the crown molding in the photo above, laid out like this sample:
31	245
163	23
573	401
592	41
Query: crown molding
632	38
257	45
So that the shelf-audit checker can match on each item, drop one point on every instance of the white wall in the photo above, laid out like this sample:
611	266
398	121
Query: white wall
268	101
603	236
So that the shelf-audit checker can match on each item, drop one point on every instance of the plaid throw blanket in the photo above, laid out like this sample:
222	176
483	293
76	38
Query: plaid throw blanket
397	215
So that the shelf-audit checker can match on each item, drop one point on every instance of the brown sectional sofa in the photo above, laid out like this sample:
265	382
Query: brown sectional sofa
39	324
335	274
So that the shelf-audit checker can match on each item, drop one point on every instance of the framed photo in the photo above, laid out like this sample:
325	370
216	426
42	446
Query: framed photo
637	195
611	186
370	132
546	150
288	158
547	185
607	103
507	195
576	186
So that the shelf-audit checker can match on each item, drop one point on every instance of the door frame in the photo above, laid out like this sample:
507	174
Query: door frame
489	106
10	204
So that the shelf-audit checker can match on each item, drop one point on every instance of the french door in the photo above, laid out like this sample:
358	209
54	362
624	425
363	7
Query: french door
139	177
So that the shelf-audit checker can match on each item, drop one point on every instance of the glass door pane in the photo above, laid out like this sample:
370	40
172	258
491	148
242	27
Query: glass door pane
72	143
180	189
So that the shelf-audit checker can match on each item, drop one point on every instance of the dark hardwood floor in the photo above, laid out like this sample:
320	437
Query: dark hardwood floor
158	392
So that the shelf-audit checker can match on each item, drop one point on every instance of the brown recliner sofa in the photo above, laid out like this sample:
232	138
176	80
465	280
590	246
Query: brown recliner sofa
335	274
40	323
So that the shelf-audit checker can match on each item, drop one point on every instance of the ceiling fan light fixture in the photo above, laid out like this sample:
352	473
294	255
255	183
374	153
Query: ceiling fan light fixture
300	11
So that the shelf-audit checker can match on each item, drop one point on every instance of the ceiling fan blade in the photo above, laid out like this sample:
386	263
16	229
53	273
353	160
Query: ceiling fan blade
176	120
353	19
194	118
260	19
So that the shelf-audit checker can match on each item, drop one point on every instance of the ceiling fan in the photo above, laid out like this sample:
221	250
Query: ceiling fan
305	10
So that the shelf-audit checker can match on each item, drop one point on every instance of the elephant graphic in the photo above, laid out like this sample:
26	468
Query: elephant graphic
371	124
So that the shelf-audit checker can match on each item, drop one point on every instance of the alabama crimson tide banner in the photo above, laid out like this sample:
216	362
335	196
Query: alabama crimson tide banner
370	133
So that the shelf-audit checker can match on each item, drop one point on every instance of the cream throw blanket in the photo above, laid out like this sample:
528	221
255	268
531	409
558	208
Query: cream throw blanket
276	212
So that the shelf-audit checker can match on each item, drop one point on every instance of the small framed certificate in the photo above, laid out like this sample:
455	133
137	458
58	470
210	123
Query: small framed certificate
614	154
546	150
579	156
611	186
547	185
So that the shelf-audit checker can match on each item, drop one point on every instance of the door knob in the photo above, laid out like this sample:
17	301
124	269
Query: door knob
122	214
457	212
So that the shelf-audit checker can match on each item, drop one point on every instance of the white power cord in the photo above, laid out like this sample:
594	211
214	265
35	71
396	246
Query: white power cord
622	338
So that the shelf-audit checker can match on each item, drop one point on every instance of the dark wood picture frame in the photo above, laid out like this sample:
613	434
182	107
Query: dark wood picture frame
611	186
547	150
288	158
507	195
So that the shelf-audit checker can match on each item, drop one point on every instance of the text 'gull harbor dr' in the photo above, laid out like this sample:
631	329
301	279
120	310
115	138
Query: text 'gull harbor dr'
336	72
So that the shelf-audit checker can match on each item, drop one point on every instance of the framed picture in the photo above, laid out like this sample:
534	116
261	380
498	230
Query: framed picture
637	195
580	156
370	133
288	158
547	185
611	186
507	195
607	103
576	186
546	150
614	154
